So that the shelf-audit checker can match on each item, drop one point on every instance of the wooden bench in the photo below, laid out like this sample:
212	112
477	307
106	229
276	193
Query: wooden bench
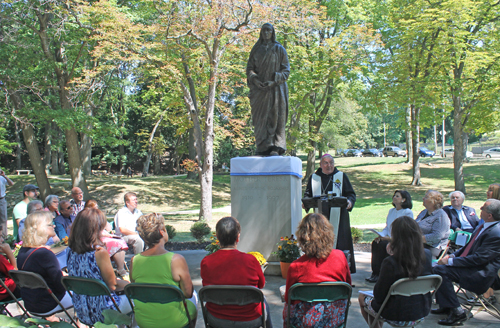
99	172
28	172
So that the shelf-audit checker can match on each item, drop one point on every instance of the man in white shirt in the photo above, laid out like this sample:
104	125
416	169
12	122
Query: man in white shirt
77	202
4	181
126	223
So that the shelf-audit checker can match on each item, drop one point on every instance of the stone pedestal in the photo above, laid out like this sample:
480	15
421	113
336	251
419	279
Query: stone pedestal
266	200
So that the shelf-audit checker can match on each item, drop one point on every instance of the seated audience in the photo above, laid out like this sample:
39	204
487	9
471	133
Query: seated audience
229	266
33	206
87	258
126	223
462	218
407	259
20	211
7	262
115	245
319	263
474	267
64	220
401	200
77	202
158	266
434	223
52	204
33	257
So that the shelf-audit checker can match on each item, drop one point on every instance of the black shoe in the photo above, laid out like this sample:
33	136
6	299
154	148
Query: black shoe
440	311
372	278
453	319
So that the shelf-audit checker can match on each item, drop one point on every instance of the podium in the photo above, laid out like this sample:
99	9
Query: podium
325	202
266	200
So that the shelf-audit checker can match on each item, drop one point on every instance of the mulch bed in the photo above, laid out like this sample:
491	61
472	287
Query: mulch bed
194	245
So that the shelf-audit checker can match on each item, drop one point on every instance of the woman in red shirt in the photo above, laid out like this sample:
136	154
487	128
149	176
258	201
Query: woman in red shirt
7	262
229	266
320	263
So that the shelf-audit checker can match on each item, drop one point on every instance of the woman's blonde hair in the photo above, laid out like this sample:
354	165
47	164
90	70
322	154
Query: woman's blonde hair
495	190
149	226
35	228
315	236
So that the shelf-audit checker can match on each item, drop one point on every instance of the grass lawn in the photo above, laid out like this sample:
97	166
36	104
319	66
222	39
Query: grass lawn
374	180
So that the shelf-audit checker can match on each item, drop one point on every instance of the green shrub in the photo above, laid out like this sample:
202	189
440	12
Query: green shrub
171	231
356	234
199	230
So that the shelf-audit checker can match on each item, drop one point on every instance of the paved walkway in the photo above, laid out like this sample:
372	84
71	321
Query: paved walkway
354	320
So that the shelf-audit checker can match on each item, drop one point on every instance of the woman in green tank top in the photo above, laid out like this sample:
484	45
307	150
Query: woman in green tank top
157	265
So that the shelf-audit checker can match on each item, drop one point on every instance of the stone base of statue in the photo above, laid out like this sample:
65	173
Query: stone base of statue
266	200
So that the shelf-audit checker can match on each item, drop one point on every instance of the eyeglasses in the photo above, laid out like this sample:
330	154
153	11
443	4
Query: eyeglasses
67	208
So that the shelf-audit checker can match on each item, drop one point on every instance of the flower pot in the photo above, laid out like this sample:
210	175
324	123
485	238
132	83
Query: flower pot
284	268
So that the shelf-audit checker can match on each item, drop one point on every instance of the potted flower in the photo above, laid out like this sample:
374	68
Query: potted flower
262	261
288	251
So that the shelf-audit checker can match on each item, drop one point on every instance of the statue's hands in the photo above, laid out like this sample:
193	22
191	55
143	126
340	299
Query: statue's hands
270	84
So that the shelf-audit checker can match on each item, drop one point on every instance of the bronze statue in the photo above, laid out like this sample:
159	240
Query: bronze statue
267	71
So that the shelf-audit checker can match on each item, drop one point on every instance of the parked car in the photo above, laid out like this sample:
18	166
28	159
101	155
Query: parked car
394	151
344	153
492	152
372	152
424	152
450	152
354	153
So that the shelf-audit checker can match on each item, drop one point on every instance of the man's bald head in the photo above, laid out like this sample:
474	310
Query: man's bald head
77	195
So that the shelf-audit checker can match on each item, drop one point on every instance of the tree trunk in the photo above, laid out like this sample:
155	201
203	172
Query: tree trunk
195	140
157	164
18	146
145	169
459	137
33	151
207	173
74	161
86	147
55	154
192	155
409	134
311	154
47	156
415	113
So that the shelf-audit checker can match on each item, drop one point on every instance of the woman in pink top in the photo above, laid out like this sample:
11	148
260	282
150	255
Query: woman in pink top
319	263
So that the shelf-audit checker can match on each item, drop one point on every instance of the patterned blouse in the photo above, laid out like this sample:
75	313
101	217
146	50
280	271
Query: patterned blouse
88	308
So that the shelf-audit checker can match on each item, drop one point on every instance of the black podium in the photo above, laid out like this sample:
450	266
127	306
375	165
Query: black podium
319	201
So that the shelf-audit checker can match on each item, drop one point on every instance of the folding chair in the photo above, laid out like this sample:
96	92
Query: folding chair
472	299
157	293
14	299
410	287
231	295
330	291
87	286
31	280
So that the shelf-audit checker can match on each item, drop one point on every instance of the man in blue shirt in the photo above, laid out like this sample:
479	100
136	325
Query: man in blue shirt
64	220
461	217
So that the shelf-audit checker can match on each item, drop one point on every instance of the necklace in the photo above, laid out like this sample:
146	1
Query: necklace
323	190
227	248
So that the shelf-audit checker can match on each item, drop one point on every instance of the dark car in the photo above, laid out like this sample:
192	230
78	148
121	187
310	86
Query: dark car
353	153
371	152
424	152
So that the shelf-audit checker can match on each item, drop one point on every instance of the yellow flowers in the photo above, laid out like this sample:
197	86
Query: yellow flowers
259	257
288	250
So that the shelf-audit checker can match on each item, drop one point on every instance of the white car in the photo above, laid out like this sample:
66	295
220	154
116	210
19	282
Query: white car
492	152
449	152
